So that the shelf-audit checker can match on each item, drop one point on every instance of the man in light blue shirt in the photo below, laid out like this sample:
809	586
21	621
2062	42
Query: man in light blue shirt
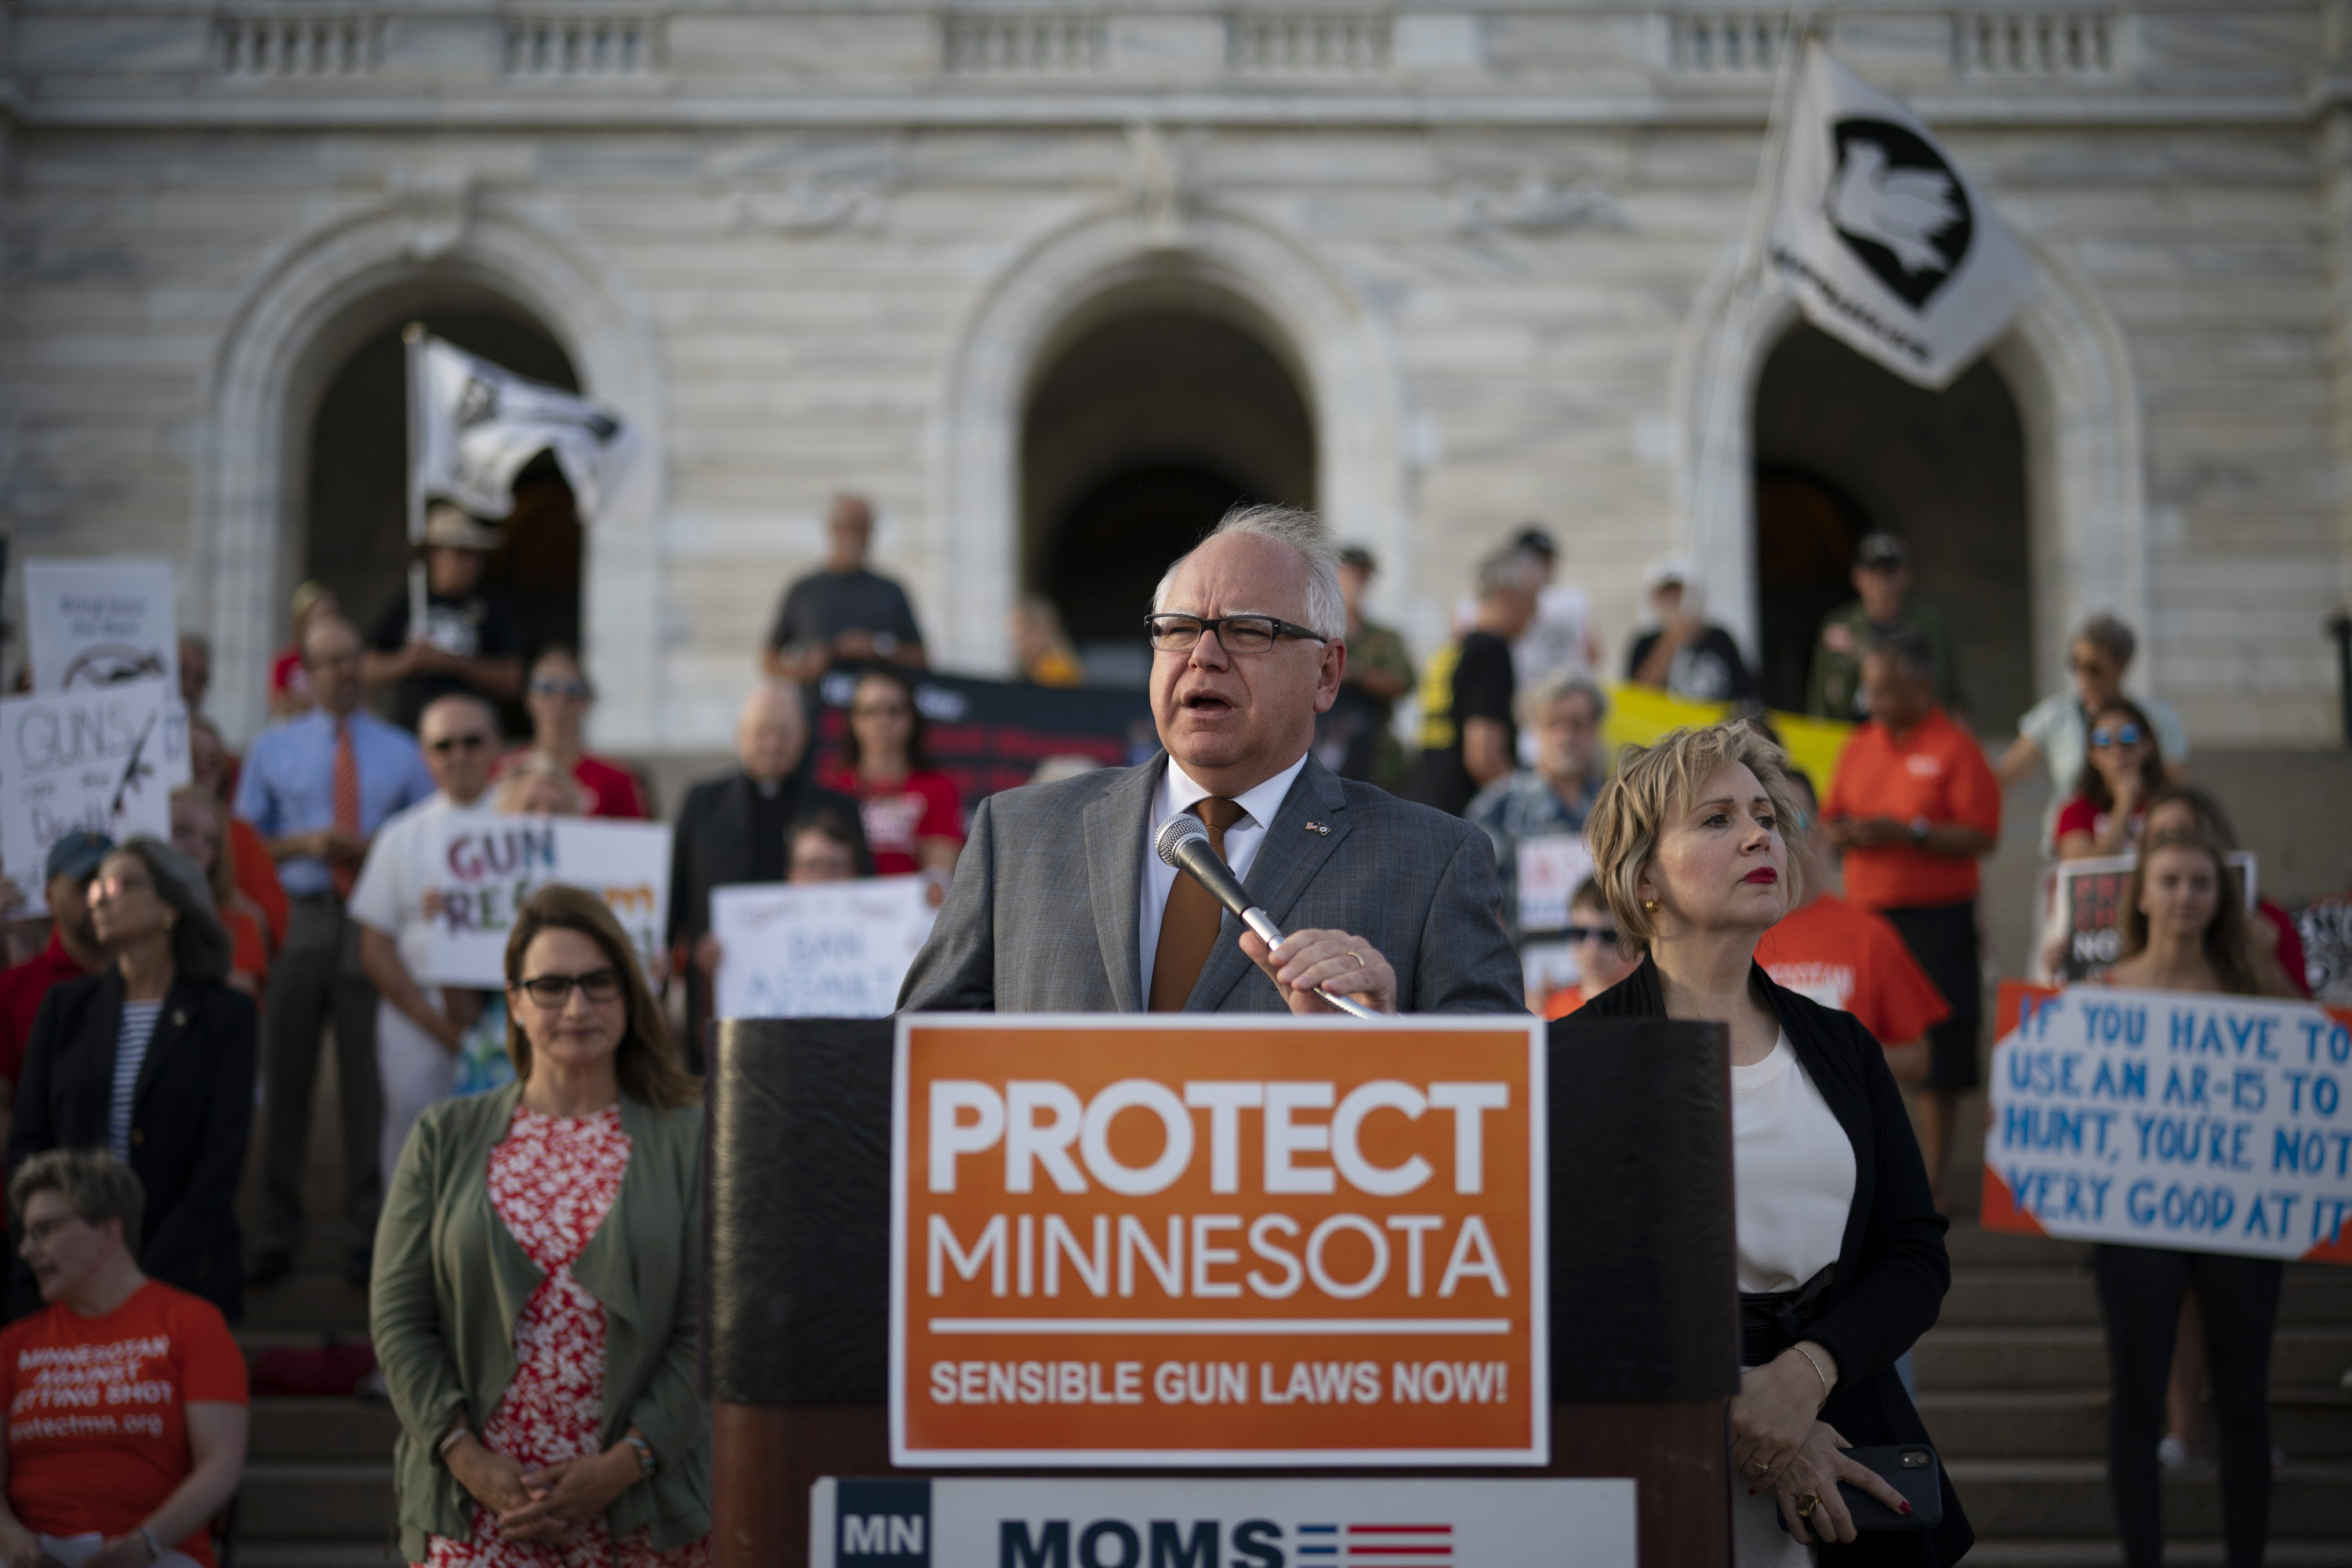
316	787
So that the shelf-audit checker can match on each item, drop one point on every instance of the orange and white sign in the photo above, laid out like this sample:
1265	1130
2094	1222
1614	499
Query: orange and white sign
1218	1240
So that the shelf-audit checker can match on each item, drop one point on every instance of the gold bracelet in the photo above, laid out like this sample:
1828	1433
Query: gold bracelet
1817	1372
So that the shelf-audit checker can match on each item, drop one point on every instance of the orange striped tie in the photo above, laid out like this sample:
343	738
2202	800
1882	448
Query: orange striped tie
347	806
1188	927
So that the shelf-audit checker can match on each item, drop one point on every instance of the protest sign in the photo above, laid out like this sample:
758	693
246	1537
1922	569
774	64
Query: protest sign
2084	928
93	624
488	866
1218	1240
2324	926
988	735
1551	867
2170	1119
102	761
827	950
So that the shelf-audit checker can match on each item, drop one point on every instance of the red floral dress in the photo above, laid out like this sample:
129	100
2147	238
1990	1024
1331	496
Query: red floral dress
552	1181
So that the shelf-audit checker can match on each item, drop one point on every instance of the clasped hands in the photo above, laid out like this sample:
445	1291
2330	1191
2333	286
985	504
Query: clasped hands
1779	1445
542	1505
1343	964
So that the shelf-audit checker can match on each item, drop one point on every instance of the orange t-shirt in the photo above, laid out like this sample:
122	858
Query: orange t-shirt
1855	961
255	875
98	1431
1937	772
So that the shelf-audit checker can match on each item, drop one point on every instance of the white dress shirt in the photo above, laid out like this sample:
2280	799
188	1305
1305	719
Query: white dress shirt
1177	793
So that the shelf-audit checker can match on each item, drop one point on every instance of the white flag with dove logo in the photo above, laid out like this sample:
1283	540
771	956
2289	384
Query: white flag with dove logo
476	425
1887	244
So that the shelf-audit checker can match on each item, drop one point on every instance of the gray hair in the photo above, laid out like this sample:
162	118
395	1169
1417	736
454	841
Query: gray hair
1303	533
2111	637
94	1183
201	948
1535	698
1511	570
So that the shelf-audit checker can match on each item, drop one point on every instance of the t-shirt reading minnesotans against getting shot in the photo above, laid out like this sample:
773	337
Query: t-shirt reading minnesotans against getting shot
98	1429
1469	680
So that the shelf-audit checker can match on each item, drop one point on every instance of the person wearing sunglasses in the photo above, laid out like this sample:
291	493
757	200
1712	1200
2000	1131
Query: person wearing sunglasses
535	1302
150	1058
2056	732
1061	905
420	1028
558	698
1602	956
2123	770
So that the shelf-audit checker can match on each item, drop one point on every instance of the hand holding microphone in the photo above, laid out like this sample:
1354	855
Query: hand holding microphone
1313	969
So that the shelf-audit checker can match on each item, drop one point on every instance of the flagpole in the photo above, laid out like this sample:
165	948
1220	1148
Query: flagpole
412	339
1766	200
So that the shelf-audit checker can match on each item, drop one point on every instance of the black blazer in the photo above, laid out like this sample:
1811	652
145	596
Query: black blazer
711	846
1891	1268
189	1114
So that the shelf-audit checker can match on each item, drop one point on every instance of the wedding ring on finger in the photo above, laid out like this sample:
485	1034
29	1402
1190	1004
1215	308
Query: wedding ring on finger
1359	958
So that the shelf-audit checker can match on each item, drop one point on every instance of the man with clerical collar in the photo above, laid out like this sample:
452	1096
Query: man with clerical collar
1069	910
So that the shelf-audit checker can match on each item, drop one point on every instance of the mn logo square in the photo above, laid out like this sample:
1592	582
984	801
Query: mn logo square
882	1524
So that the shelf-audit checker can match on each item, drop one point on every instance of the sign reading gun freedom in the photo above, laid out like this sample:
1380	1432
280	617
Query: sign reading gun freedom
2206	1123
1218	1240
490	864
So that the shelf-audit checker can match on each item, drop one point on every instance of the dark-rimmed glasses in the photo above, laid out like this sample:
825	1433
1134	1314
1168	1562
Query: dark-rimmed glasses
448	743
1591	934
1174	633
553	991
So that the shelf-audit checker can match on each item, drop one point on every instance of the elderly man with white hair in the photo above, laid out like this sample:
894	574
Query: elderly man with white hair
1060	904
737	829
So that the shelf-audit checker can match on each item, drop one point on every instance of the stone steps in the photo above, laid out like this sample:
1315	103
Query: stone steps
2071	1356
313	1501
2179	1553
2072	1423
2056	1500
2012	1295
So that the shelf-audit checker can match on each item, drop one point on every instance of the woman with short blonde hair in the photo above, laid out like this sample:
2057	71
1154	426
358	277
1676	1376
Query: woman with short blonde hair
1841	1251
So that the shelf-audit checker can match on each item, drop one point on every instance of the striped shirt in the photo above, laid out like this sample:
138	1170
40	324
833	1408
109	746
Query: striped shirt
130	1053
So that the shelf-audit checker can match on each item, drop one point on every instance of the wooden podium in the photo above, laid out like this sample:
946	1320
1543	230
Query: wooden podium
1645	1347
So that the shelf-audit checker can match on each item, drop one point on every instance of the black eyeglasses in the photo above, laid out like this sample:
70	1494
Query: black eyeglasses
2121	735
40	1230
1171	633
575	690
553	991
447	743
1592	934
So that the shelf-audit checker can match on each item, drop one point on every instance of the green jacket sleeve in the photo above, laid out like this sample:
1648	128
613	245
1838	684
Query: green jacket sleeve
671	1412
403	1312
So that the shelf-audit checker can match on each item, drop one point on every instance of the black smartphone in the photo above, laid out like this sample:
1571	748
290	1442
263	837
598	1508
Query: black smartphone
1912	1469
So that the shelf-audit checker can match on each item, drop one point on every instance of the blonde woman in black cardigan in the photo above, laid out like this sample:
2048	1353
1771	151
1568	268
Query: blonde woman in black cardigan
1841	1252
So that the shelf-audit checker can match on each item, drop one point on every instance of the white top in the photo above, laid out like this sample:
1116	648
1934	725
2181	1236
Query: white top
131	1042
1177	793
402	865
1792	1172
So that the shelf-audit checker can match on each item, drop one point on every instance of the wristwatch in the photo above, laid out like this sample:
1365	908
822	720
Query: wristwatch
1919	826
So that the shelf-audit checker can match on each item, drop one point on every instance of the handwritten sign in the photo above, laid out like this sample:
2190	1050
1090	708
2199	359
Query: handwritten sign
488	866
825	950
1217	1240
101	761
95	624
1552	866
2165	1119
2086	911
2326	927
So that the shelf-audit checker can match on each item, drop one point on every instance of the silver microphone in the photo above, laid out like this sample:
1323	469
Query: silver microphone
1183	843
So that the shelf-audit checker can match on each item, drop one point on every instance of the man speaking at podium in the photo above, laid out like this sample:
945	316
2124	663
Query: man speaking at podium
1060	903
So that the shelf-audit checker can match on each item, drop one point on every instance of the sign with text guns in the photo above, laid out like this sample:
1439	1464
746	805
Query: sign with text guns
1218	1240
2171	1119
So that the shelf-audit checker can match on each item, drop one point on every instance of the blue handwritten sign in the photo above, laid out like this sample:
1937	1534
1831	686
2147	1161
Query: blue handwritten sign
827	950
2162	1119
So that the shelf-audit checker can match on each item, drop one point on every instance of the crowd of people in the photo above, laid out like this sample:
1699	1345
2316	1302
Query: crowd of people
519	1187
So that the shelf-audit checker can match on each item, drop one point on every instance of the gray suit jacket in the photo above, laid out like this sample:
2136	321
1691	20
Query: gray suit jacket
1041	915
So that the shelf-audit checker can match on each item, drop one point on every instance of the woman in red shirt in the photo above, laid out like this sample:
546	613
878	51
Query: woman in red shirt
2122	771
913	820
559	697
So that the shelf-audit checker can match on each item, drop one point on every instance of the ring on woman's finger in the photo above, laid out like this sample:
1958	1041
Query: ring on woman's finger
1806	1504
1758	1465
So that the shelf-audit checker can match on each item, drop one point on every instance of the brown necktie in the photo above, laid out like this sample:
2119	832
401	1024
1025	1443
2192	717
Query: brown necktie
1188	927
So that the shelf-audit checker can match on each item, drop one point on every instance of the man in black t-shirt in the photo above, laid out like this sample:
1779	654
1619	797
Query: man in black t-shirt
469	642
1468	739
1684	656
844	614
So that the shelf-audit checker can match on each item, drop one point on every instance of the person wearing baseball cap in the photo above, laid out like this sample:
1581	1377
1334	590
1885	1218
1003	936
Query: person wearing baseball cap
72	952
1882	576
468	641
1683	655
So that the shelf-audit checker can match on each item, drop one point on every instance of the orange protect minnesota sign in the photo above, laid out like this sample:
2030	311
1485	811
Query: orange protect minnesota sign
1217	1240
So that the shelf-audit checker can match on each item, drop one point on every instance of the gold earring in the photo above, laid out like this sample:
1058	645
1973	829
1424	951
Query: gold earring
1651	905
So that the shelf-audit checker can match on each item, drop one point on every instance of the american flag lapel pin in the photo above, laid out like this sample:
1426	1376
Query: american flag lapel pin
1318	827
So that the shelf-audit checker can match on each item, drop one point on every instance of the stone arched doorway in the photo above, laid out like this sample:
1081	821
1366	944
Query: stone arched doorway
1843	447
1141	428
354	537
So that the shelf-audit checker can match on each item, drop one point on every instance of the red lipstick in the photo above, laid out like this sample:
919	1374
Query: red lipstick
1763	874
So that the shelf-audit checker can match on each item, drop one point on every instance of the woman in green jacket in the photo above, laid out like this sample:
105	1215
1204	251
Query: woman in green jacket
534	1305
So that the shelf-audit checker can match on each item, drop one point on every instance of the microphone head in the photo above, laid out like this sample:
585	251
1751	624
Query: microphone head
1174	832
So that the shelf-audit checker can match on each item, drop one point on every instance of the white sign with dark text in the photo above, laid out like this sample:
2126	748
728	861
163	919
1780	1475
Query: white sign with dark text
489	864
819	950
90	624
104	761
